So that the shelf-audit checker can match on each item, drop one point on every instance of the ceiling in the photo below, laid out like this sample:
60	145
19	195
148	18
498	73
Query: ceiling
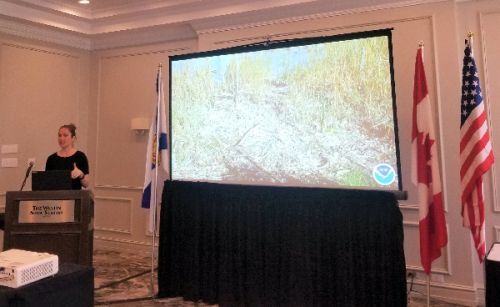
107	23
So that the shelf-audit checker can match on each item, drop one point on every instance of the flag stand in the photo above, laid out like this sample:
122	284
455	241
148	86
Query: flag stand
152	284
428	290
154	181
153	240
426	175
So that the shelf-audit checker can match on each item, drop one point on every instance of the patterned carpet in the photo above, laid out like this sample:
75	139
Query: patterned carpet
121	276
124	280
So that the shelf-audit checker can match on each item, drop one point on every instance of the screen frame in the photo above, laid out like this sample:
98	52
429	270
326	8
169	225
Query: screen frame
270	44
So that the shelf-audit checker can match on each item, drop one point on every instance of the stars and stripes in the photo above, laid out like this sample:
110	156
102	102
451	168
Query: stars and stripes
476	155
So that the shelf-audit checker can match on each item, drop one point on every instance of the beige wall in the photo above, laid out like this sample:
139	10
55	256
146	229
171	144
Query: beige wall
124	87
43	86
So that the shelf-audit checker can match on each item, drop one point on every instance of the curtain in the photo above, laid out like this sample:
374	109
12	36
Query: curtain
280	246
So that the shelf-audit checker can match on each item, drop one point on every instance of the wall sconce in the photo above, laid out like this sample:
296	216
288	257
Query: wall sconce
139	125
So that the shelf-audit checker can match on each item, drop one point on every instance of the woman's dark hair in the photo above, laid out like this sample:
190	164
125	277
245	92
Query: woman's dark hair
70	127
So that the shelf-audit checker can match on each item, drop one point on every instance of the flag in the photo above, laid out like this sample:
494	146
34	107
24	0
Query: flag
157	156
425	172
476	155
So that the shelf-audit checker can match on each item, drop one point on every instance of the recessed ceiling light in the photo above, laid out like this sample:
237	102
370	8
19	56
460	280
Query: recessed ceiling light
84	1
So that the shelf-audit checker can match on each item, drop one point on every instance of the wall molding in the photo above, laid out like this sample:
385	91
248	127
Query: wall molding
122	241
117	187
171	51
91	42
37	49
439	114
497	233
38	33
486	88
308	33
448	292
446	251
410	223
2	203
313	17
103	57
409	206
77	34
124	200
109	229
155	35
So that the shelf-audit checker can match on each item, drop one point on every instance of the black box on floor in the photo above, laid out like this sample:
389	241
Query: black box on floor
492	269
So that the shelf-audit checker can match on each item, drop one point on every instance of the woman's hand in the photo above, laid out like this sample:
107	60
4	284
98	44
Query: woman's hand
76	172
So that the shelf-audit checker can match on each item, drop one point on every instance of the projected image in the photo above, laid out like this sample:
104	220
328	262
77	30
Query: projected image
312	115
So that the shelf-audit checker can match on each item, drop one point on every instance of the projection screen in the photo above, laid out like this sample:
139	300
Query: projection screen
306	112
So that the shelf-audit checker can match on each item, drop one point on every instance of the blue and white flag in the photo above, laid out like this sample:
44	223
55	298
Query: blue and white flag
157	156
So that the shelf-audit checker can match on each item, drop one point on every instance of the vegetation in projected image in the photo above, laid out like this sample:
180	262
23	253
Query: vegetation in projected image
312	115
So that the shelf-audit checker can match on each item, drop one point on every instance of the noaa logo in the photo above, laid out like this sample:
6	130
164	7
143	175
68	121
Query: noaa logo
384	174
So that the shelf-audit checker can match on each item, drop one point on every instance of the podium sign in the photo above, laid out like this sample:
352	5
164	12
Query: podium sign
47	211
54	222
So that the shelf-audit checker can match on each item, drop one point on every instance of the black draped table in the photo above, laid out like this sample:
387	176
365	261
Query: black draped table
279	246
72	286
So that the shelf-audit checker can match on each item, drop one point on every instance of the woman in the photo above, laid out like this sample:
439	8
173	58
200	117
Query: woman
69	158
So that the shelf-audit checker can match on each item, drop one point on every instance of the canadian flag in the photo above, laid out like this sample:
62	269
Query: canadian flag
425	172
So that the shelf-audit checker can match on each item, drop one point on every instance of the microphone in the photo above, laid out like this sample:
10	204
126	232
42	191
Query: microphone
30	166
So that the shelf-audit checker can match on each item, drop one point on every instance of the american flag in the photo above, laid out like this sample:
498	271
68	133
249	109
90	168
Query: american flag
476	155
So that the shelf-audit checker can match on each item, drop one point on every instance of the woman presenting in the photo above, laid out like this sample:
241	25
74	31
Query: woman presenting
69	158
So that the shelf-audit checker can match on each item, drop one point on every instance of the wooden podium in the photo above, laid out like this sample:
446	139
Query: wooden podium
57	222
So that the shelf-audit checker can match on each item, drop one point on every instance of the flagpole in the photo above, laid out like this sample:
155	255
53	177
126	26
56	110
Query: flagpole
469	41
154	184
428	279
428	289
470	36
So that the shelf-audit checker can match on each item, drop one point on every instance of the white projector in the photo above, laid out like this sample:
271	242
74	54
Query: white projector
20	267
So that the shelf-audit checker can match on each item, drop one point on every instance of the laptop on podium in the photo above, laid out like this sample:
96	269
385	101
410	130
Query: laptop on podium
51	180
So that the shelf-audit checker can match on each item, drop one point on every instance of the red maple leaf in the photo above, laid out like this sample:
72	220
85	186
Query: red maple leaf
424	172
